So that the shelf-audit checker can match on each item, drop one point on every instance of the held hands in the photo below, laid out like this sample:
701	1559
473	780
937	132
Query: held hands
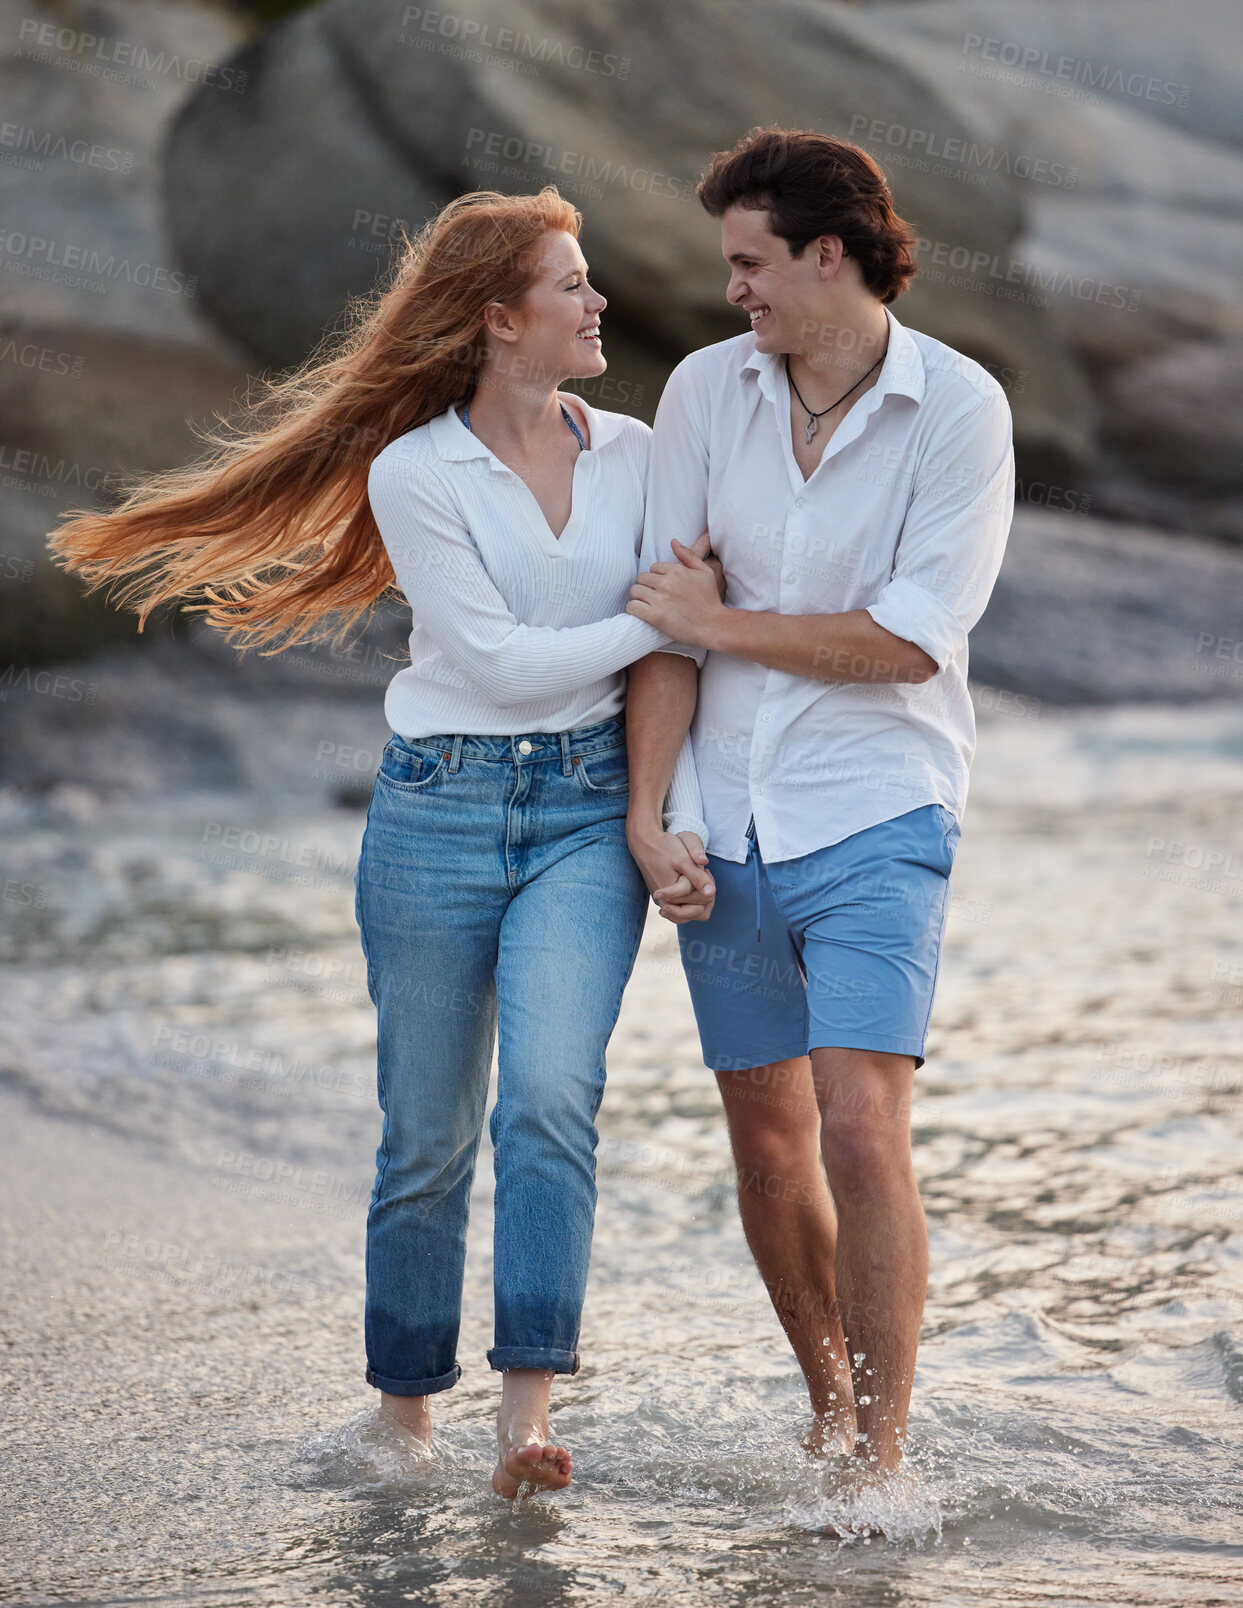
674	867
685	600
693	895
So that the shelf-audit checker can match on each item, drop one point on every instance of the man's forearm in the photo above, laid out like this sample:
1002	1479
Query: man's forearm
662	689
825	647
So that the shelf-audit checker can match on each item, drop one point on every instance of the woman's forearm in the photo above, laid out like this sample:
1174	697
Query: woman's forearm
660	702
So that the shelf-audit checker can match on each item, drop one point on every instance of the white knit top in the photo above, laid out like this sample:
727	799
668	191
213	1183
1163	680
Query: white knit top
515	629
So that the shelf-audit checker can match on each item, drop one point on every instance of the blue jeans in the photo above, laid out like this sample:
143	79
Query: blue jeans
495	891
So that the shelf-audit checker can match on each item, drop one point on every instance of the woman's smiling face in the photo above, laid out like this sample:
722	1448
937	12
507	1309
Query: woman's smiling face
558	320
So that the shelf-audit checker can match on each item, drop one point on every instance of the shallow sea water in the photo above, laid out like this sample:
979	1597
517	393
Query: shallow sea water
187	1094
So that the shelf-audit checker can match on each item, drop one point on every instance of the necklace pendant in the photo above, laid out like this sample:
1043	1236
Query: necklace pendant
813	425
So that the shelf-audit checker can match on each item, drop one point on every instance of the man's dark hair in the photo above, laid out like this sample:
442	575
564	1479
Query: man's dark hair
811	185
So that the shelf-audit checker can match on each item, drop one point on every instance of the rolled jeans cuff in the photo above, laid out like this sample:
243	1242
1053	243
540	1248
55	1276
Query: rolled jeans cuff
545	1357
415	1387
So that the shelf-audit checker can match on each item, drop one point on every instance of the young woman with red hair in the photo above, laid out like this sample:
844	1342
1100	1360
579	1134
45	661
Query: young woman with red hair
430	450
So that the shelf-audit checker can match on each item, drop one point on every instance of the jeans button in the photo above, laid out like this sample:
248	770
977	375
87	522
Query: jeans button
524	747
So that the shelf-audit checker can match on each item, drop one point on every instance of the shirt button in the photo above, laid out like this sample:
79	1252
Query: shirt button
800	501
524	747
766	717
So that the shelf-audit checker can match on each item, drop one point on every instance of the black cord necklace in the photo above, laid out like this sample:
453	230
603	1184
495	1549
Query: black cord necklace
812	418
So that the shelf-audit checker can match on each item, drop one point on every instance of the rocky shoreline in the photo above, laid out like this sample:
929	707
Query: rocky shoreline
234	210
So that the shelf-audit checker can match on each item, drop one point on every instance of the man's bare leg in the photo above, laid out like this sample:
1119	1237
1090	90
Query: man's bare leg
882	1243
788	1218
524	1452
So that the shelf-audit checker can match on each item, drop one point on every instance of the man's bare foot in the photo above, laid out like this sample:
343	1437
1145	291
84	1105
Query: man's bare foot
851	1531
857	1476
834	1425
411	1413
539	1464
829	1436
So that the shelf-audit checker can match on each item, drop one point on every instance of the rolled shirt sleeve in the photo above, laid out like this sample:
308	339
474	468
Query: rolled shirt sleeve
954	534
677	480
451	595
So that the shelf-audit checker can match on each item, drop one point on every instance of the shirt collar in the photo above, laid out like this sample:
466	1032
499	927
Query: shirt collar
453	440
902	372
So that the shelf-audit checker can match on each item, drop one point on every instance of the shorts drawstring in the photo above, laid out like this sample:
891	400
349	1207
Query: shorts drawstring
755	869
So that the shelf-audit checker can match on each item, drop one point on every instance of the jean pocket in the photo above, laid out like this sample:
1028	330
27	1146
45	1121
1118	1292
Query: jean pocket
605	772
410	767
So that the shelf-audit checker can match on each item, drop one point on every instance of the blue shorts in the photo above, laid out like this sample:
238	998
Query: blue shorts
848	946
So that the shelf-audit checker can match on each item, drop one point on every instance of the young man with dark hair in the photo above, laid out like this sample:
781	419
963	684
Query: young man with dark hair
857	482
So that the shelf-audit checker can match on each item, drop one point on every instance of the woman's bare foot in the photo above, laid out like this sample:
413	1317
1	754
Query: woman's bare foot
525	1455
411	1412
538	1463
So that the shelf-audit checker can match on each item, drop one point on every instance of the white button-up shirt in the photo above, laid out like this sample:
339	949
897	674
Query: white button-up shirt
516	629
906	515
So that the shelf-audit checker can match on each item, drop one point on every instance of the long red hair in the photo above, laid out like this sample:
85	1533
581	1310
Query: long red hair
272	528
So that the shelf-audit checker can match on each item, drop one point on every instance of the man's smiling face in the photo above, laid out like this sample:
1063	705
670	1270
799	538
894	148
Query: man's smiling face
782	295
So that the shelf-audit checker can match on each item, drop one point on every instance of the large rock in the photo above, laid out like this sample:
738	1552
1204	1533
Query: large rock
1178	64
1182	412
1124	191
1124	120
105	354
1091	611
1172	446
290	202
621	108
